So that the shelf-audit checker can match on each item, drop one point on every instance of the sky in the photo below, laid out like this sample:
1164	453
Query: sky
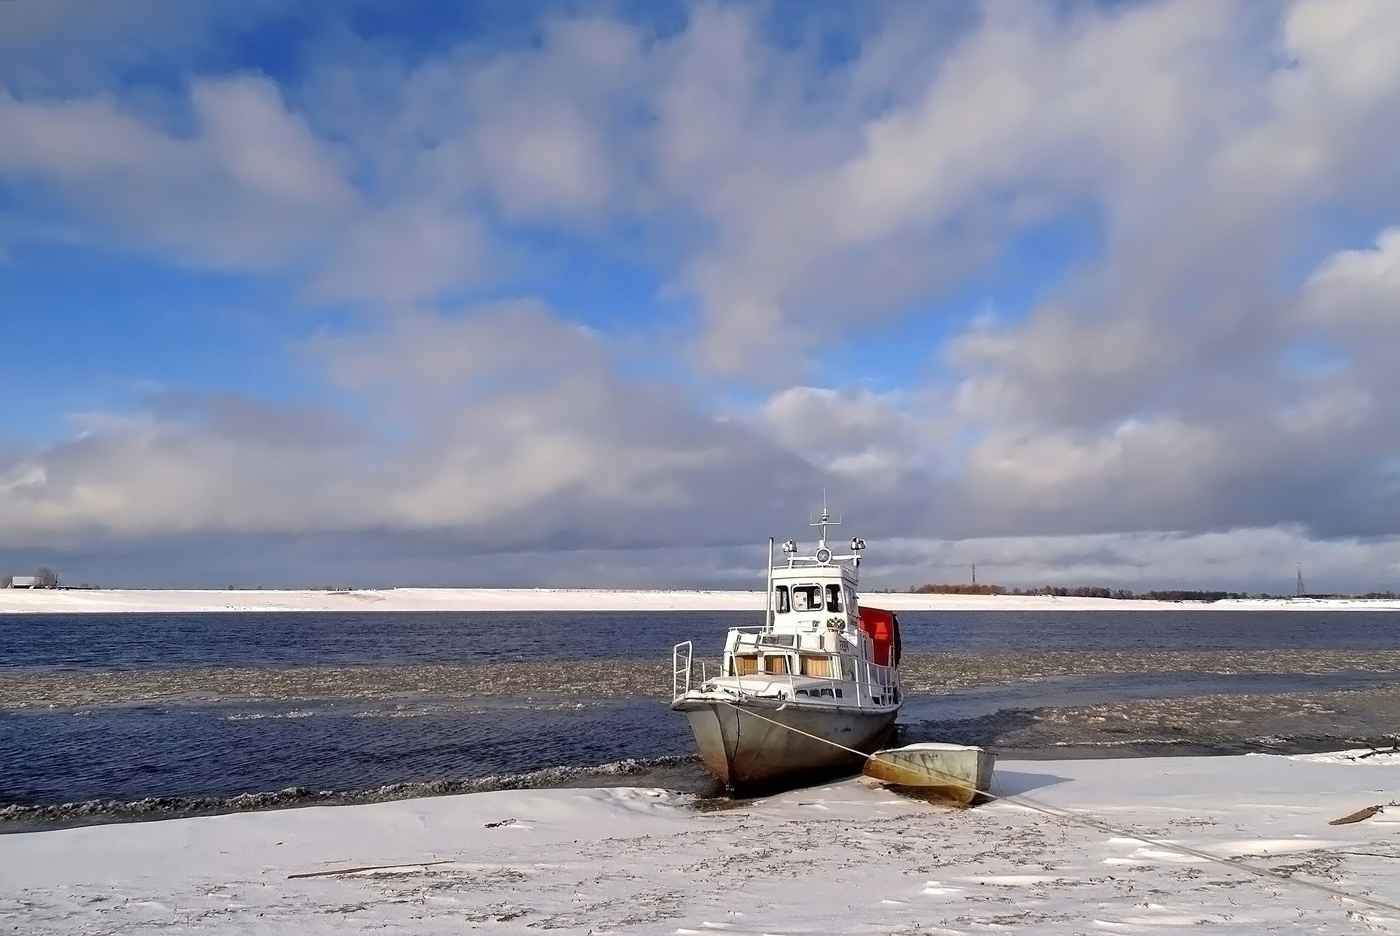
396	292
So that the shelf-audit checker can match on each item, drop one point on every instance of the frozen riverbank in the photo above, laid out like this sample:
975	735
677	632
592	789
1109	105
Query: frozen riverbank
837	859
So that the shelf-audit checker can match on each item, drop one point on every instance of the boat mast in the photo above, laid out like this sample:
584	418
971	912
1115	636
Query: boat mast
825	521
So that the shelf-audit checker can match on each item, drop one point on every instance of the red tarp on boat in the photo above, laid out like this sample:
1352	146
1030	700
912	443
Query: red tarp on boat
883	628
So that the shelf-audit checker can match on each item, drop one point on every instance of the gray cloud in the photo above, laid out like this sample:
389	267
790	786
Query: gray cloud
505	427
1248	558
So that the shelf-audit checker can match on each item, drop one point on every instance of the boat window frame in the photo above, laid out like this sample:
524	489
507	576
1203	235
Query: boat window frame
834	602
782	603
810	588
787	664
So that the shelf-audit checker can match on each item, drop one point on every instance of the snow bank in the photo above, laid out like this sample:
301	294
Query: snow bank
843	858
562	599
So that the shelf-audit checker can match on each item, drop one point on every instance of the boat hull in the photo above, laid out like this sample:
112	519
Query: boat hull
951	773
751	746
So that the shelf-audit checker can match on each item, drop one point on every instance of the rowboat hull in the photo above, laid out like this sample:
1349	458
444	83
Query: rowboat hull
950	773
752	745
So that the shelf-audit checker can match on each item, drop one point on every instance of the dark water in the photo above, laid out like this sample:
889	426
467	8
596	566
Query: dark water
122	641
133	714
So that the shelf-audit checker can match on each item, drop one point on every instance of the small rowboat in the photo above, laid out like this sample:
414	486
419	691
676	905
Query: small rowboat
951	773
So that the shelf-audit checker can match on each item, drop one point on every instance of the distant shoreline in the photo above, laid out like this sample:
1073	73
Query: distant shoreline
111	601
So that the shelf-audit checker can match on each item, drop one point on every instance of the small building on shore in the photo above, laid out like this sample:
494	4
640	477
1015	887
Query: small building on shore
24	581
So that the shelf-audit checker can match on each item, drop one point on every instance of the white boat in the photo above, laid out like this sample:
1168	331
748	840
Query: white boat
811	692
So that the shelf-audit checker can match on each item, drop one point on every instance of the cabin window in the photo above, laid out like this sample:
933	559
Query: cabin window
744	665
806	598
839	695
816	665
833	598
775	664
826	693
781	602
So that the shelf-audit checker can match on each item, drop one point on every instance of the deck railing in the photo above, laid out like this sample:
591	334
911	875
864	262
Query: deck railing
868	678
877	680
680	672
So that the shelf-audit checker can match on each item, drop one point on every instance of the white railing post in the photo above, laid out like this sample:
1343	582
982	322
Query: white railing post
768	607
680	674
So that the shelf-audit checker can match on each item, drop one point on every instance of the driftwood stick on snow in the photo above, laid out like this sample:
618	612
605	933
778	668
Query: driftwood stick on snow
1359	815
392	867
1372	753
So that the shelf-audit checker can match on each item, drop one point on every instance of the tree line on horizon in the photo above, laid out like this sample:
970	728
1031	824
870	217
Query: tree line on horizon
1098	591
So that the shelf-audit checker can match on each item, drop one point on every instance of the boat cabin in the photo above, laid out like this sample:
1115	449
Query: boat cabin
815	630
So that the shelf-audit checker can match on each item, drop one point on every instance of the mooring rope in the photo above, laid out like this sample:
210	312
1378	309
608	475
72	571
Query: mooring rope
1091	822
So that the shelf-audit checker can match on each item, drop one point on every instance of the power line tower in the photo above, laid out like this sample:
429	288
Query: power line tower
1301	590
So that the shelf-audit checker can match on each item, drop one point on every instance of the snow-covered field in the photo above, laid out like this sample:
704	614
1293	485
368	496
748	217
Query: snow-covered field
554	599
843	858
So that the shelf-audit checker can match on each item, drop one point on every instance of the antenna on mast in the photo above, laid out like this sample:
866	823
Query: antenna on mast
825	520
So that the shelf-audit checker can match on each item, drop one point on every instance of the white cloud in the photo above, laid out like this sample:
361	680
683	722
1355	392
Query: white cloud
1357	291
400	256
251	189
1024	105
866	439
547	141
1352	45
267	152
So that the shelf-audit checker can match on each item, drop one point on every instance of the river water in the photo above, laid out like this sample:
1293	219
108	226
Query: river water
129	715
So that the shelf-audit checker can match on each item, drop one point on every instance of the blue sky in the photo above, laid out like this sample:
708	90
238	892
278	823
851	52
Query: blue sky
400	290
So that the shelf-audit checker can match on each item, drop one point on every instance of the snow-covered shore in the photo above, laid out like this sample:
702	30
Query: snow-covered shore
843	858
563	599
